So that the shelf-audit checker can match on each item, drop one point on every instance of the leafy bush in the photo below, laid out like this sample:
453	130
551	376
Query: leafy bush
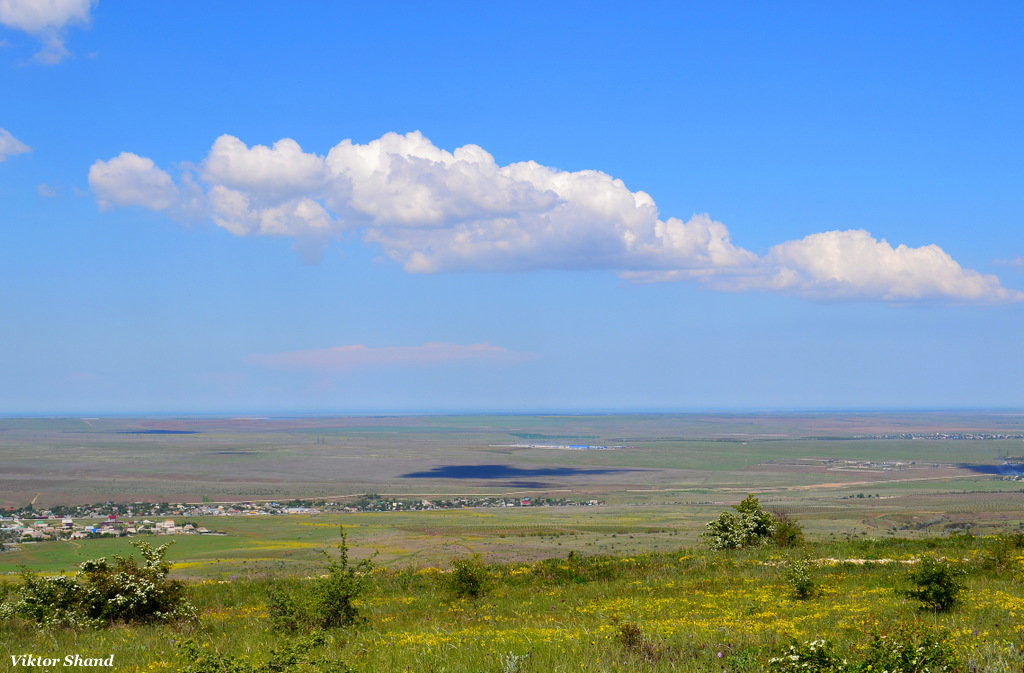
904	649
325	602
814	656
283	610
469	577
910	649
635	642
798	576
285	659
102	593
788	531
749	526
936	583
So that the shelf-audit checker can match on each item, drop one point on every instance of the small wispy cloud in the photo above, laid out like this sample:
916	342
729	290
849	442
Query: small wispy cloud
46	191
46	20
342	358
9	145
1013	262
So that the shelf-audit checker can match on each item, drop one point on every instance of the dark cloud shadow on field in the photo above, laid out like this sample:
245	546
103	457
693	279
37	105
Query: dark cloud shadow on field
506	472
1005	468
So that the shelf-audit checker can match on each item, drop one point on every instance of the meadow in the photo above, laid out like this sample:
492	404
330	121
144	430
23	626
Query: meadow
691	609
624	586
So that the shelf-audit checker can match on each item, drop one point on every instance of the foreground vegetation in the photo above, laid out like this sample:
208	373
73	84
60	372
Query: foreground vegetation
700	609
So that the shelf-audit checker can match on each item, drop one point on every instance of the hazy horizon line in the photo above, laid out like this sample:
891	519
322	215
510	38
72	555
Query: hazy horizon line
567	411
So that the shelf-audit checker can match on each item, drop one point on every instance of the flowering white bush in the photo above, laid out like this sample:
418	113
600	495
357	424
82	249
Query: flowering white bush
814	656
748	526
101	593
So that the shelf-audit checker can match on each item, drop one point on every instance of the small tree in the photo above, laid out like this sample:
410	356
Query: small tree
749	526
334	596
800	578
326	602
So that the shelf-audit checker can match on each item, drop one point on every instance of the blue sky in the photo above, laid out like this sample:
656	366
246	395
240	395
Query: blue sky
319	207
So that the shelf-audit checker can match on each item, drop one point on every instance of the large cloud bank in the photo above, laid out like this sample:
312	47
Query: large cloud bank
432	211
45	19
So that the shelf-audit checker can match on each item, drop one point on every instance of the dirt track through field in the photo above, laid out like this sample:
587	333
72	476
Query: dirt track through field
847	484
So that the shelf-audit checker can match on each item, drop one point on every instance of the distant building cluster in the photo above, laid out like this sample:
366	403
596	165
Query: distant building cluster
66	528
370	502
562	447
944	435
76	522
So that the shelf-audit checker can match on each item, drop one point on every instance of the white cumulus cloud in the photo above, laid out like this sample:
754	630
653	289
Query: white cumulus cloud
9	145
855	265
433	210
131	180
342	358
46	20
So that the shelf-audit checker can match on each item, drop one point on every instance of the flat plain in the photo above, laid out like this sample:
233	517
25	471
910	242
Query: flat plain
622	585
659	477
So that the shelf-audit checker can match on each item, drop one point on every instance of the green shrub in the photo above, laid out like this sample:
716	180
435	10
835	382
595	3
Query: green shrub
283	610
750	525
910	649
469	577
292	656
800	579
788	531
813	656
103	593
333	597
903	649
325	602
635	642
936	583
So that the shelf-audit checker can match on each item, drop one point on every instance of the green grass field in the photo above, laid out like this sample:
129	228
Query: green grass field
690	609
291	543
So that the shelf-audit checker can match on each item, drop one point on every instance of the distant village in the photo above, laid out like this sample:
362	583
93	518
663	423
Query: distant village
76	522
974	436
66	528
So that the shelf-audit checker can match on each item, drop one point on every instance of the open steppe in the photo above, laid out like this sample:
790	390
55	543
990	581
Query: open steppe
660	476
625	585
64	461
